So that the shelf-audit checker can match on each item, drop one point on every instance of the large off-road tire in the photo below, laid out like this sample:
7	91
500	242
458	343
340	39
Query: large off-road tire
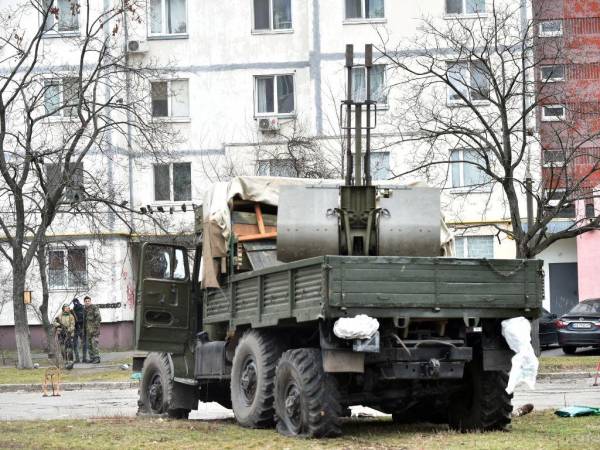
483	404
307	399
253	379
569	349
156	388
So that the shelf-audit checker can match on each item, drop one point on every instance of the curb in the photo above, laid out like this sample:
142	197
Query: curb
99	385
565	375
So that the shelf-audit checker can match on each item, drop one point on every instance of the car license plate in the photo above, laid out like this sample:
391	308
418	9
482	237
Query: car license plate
581	325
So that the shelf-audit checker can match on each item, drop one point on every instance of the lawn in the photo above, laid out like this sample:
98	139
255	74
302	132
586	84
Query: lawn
568	363
11	375
535	431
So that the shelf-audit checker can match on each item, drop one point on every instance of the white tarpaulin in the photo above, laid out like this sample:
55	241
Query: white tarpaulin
517	332
358	327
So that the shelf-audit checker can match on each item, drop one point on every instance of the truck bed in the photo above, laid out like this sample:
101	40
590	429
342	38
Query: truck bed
390	286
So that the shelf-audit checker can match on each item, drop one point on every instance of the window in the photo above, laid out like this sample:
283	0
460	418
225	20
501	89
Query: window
170	98
469	79
67	268
173	182
551	74
380	166
462	7
551	28
73	185
168	17
61	96
465	171
553	113
164	262
68	16
272	15
275	94
554	157
359	84
474	247
365	9
567	210
276	168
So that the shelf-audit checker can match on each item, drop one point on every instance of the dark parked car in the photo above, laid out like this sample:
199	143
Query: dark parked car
580	327
548	333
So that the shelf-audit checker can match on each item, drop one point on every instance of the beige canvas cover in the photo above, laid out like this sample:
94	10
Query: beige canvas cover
217	216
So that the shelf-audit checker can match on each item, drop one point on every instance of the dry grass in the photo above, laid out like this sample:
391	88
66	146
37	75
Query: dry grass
568	363
536	431
11	375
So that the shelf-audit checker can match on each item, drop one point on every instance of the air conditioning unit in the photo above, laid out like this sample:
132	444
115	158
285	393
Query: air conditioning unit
268	124
137	46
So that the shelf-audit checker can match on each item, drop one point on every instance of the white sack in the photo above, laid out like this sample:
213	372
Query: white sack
517	333
359	327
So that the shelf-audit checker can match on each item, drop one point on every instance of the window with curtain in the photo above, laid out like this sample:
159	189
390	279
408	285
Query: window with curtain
474	246
282	167
380	165
458	7
170	98
365	9
470	80
378	87
168	17
173	182
466	171
68	16
67	268
272	15
61	96
275	94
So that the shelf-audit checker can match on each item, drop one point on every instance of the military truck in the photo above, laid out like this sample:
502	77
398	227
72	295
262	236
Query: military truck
277	263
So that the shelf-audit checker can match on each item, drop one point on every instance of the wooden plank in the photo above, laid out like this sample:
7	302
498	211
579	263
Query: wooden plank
256	237
259	218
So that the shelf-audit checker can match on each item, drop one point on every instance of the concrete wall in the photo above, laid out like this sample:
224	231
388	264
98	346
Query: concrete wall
113	336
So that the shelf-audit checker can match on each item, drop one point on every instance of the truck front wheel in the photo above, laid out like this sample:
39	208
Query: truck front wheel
252	379
156	388
306	398
482	404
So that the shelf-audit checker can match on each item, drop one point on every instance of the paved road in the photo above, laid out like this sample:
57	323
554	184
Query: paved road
82	404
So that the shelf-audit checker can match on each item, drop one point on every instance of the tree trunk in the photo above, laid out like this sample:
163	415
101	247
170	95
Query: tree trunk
22	337
47	324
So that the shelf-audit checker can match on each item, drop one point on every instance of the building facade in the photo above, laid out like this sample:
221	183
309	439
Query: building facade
568	48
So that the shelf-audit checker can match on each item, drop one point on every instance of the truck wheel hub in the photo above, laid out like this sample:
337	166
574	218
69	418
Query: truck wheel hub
292	404
155	393
248	380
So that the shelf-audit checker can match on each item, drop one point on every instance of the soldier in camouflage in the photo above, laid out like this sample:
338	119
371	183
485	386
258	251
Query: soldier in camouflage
92	329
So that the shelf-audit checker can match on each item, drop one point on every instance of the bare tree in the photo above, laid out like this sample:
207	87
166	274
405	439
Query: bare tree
291	151
54	117
488	68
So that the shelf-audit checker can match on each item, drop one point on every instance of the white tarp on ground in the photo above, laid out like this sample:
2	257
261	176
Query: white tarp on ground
217	215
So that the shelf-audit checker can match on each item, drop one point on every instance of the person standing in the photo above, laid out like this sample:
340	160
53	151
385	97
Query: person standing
78	338
92	329
64	324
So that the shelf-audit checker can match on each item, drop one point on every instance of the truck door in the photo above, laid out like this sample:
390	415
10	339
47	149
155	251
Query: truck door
162	316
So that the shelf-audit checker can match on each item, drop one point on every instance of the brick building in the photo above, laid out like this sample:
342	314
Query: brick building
567	48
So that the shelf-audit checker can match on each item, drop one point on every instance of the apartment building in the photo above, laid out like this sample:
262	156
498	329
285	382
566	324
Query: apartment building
568	48
236	84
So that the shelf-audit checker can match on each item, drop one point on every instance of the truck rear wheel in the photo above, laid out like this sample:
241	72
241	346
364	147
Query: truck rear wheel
483	404
156	388
306	398
253	378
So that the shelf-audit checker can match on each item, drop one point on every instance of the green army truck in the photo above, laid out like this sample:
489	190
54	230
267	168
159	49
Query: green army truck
269	320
